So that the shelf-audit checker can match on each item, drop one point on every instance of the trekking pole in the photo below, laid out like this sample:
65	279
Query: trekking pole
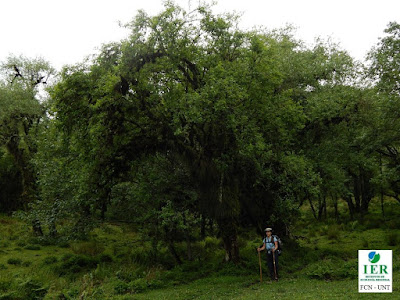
259	262
273	258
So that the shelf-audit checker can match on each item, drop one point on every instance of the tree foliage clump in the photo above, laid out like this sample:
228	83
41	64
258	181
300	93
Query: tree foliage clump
192	124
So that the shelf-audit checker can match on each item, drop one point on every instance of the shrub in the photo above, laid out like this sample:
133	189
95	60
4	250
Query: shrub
21	244
312	233
105	258
32	289
365	243
63	244
323	269
66	256
392	224
130	273
14	261
72	293
5	284
353	226
43	241
33	247
333	232
90	248
140	256
349	270
139	285
393	238
26	263
121	287
50	260
74	264
4	244
324	230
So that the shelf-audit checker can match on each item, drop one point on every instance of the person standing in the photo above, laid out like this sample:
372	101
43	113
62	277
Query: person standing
270	243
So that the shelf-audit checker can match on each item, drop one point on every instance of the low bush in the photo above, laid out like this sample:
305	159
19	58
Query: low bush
364	243
50	260
121	287
333	232
90	248
138	285
5	284
323	269
21	244
26	263
31	289
14	261
32	247
393	238
105	258
73	264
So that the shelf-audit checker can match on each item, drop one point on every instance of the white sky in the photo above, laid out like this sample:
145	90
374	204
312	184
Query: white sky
64	32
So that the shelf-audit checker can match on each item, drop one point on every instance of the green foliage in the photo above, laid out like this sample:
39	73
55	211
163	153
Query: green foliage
32	289
10	183
14	261
192	128
89	248
71	265
327	269
32	247
393	238
22	108
48	260
26	263
333	232
121	287
62	273
384	59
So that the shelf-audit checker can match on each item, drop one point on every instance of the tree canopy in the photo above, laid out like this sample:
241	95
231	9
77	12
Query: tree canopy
193	126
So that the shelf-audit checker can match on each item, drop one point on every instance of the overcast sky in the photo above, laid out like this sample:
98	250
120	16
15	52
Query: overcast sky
64	32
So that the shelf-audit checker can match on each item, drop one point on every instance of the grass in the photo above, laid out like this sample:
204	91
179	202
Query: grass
250	288
114	263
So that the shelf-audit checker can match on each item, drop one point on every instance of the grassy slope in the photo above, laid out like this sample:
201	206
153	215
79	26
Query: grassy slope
329	240
250	288
323	266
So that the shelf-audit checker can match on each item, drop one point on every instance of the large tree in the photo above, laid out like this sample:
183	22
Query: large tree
228	104
22	108
383	71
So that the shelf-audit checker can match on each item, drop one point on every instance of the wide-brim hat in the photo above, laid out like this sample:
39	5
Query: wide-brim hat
268	229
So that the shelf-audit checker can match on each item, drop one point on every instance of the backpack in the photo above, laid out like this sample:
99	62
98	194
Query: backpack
279	251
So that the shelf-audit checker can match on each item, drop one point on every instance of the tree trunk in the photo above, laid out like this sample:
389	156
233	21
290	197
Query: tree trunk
357	192
188	241
172	250
28	178
203	227
312	208
366	191
350	204
321	200
37	228
52	225
335	205
228	231
22	163
381	188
